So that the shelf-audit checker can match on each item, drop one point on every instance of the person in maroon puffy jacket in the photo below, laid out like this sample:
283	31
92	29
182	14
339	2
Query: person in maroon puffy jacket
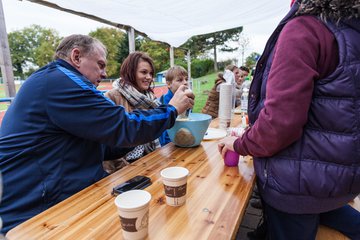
304	114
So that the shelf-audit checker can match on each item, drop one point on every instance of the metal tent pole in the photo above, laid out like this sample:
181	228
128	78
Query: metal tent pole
5	59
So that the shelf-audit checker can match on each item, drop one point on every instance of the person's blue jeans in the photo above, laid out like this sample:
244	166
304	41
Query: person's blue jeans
285	226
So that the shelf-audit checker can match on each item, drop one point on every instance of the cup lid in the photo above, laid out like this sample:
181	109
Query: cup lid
174	173
132	199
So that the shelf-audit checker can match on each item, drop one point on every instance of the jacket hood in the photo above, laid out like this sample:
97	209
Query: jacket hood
335	10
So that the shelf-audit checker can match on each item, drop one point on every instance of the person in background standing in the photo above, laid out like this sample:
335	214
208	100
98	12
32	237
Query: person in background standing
244	71
304	114
240	84
212	103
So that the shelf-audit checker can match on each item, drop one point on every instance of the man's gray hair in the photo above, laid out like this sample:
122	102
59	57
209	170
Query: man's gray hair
85	43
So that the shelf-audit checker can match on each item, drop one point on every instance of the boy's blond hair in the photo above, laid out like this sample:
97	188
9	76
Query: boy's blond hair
174	72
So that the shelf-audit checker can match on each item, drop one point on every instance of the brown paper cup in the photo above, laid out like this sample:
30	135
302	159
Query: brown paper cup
175	183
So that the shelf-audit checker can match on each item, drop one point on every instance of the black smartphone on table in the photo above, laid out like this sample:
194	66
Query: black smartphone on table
137	182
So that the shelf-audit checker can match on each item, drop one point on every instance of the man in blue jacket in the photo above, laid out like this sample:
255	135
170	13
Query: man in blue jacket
59	129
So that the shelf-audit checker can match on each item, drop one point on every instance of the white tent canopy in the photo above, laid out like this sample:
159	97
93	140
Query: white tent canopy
175	21
169	21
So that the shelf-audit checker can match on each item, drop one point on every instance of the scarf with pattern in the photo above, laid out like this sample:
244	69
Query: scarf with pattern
138	100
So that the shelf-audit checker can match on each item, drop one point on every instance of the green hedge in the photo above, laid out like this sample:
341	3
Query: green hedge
201	67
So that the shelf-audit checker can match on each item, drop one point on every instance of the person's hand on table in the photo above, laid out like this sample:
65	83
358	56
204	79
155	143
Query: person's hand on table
183	99
226	144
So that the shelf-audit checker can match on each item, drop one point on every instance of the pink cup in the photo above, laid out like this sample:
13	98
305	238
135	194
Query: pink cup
231	158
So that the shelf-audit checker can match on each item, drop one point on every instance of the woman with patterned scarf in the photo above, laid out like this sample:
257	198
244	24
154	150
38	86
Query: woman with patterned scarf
133	91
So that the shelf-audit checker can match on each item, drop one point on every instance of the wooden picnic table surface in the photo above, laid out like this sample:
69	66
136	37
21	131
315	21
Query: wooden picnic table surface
217	197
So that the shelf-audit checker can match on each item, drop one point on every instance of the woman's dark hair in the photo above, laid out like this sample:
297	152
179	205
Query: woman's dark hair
243	68
335	10
129	67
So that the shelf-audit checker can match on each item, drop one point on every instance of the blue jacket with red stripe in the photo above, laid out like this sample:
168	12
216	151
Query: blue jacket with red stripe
55	135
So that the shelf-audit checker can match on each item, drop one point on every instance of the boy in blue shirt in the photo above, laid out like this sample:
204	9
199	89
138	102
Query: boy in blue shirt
175	77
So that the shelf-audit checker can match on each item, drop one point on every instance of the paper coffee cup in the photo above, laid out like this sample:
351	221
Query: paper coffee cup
175	183
133	210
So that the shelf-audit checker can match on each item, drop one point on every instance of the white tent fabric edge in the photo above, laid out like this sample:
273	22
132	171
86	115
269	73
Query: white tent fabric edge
173	21
168	21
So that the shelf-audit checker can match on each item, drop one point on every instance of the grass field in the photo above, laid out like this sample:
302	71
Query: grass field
200	87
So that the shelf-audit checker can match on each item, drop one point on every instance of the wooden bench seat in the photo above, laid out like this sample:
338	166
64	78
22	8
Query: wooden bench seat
326	233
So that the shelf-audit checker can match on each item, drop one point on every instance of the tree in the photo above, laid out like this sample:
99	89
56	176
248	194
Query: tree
124	48
202	43
44	53
112	38
252	59
31	48
244	42
159	52
180	57
19	51
196	46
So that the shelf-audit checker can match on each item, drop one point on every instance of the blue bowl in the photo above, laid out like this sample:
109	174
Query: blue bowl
189	133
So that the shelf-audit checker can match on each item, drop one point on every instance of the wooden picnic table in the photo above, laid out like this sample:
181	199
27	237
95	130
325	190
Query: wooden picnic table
217	197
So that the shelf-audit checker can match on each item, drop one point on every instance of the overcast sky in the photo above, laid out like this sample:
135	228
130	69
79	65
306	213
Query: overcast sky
20	14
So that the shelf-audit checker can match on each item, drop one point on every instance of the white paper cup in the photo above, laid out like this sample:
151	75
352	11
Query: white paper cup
133	209
175	181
